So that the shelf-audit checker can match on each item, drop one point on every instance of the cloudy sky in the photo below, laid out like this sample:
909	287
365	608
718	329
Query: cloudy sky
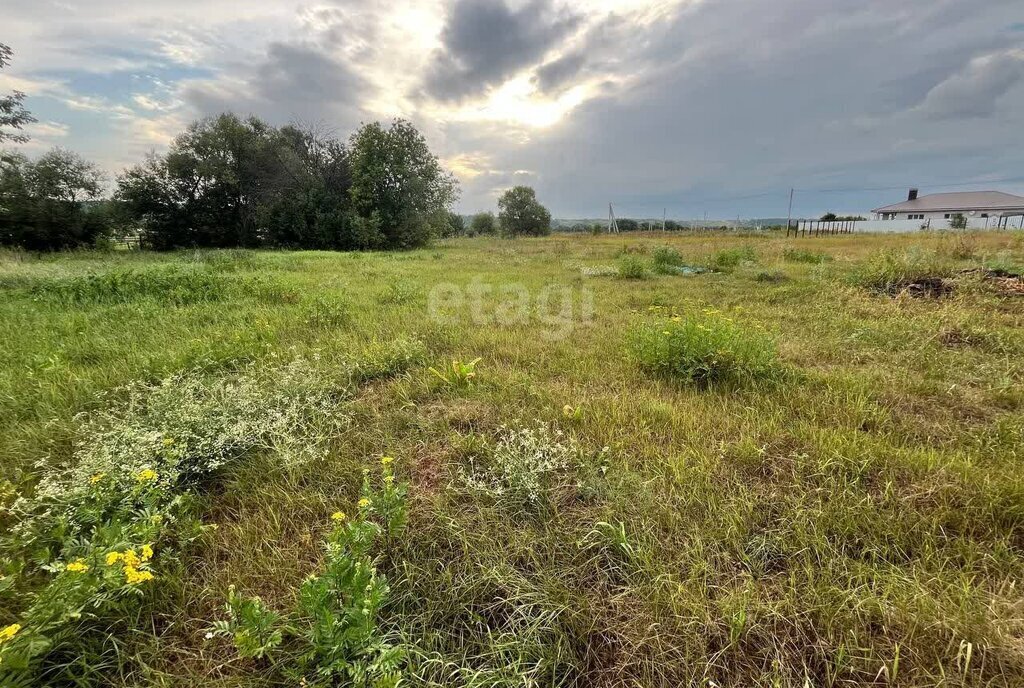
697	106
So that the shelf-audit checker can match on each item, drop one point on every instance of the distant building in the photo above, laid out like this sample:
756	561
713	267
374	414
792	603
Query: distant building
974	205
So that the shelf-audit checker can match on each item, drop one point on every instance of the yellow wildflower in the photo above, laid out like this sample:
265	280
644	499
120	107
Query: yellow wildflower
567	410
363	503
113	558
93	479
666	332
77	566
9	632
147	552
388	479
168	441
385	460
130	558
133	576
146	475
338	516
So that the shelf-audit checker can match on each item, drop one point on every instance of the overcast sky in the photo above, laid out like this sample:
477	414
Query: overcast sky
713	106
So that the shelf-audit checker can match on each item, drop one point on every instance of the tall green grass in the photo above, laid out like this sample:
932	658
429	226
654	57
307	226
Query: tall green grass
833	502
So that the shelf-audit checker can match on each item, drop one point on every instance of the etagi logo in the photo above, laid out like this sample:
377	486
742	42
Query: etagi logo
558	308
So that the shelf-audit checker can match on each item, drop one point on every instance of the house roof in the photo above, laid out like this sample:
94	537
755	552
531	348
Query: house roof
959	200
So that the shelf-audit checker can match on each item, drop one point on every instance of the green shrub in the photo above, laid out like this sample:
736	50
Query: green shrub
665	259
332	636
734	257
770	277
889	271
703	350
799	255
631	267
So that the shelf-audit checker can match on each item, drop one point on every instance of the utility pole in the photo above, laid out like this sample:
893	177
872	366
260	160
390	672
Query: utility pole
613	226
664	213
789	215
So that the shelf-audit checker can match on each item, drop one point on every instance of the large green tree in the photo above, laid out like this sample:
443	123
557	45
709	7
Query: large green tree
400	193
520	214
232	182
43	202
13	115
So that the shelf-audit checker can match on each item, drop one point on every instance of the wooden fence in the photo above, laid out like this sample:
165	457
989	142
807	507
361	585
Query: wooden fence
820	227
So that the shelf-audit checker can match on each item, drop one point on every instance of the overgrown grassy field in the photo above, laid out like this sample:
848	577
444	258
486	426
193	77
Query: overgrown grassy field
793	470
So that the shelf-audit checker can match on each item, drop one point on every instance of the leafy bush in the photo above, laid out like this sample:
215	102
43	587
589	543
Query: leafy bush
665	258
889	271
332	635
631	267
734	257
799	255
703	349
770	277
666	255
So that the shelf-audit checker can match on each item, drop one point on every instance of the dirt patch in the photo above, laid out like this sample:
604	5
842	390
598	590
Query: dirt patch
929	287
1002	282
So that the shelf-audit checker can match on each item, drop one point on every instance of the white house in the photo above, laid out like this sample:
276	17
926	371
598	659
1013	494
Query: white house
986	208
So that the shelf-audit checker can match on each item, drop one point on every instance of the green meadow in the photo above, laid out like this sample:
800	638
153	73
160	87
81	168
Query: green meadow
798	464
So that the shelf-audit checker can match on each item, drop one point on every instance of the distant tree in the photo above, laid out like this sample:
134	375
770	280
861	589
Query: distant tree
13	114
958	221
828	217
455	226
520	214
627	225
400	194
483	223
44	203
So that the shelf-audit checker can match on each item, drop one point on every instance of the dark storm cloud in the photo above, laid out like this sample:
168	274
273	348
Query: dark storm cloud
486	41
730	98
555	74
292	82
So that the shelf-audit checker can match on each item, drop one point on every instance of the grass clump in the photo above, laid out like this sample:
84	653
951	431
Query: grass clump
800	255
734	257
167	284
704	349
529	470
665	259
891	271
631	267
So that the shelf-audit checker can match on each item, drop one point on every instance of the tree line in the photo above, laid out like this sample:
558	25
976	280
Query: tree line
228	181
